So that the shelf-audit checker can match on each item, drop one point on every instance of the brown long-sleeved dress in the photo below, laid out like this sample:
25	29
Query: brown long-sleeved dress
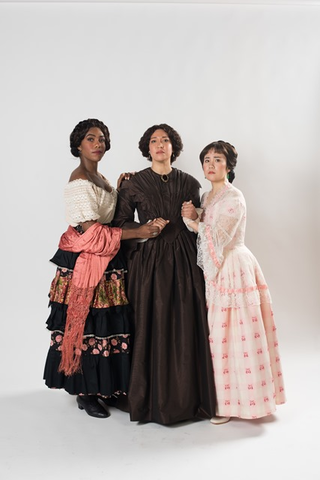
171	375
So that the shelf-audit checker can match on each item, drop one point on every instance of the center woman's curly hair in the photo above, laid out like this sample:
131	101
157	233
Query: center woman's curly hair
80	131
174	136
228	151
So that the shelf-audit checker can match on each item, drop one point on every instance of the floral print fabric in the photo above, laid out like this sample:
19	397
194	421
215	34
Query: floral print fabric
106	345
243	342
109	292
96	346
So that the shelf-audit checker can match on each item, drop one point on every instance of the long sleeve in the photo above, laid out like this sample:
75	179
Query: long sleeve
125	209
218	232
124	215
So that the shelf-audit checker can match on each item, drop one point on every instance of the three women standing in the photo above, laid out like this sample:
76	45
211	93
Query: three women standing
171	372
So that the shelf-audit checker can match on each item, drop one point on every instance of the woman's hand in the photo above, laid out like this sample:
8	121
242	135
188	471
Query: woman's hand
124	176
190	216
144	231
188	210
159	222
148	230
153	227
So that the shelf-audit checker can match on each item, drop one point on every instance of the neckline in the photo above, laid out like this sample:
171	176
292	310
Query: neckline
165	177
218	195
92	183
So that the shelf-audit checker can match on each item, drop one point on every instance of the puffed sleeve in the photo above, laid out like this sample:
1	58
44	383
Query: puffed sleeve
80	202
213	238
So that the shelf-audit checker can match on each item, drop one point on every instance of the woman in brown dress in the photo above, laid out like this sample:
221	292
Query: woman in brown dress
171	373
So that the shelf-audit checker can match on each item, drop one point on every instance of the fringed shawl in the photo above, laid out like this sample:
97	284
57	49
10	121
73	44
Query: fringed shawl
97	246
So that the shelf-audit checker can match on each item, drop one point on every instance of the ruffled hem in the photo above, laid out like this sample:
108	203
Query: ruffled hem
105	356
100	375
100	322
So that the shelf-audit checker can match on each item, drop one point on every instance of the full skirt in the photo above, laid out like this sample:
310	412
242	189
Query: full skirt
106	355
243	340
171	375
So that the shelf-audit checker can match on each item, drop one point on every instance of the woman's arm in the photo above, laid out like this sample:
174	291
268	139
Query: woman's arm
125	209
214	237
190	210
148	230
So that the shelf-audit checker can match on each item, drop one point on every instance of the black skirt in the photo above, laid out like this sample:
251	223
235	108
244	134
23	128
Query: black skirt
106	350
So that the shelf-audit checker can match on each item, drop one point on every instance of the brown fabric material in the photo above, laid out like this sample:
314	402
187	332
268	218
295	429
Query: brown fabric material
171	373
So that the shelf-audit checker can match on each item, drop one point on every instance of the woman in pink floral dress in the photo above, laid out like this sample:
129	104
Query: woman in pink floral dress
243	342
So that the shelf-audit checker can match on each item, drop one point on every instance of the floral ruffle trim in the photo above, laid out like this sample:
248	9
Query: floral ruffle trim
237	297
109	292
96	346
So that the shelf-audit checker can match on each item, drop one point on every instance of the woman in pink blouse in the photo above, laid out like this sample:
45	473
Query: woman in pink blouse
244	347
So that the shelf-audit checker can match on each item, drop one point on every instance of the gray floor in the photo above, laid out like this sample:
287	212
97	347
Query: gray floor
43	435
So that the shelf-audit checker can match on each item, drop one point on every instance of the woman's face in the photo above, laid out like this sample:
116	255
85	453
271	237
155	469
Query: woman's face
93	146
160	147
215	166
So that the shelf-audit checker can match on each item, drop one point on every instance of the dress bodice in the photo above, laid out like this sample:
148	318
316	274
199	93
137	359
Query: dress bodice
85	201
147	195
227	212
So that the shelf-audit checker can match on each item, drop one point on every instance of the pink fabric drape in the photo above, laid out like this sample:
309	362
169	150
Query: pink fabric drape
97	246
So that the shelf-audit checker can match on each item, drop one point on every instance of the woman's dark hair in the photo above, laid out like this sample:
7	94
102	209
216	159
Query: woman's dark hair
174	136
228	151
80	131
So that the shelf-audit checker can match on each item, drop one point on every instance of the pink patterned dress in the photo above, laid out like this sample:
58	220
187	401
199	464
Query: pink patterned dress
243	342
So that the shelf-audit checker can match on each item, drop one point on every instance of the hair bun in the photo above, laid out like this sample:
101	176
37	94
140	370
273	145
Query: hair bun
231	176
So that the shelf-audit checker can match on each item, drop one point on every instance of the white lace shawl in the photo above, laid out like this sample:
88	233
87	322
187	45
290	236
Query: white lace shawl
233	276
222	226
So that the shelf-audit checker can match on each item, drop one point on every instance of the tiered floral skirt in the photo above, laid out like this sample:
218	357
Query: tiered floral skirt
105	360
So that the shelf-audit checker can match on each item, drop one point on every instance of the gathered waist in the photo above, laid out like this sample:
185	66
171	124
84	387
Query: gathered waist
237	246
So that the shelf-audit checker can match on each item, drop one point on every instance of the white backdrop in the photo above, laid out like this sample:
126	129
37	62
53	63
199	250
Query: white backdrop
248	74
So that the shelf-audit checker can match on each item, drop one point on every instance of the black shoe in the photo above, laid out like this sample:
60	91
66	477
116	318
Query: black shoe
90	404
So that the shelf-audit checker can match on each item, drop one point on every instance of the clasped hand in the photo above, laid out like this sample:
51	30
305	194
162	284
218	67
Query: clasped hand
153	227
189	211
